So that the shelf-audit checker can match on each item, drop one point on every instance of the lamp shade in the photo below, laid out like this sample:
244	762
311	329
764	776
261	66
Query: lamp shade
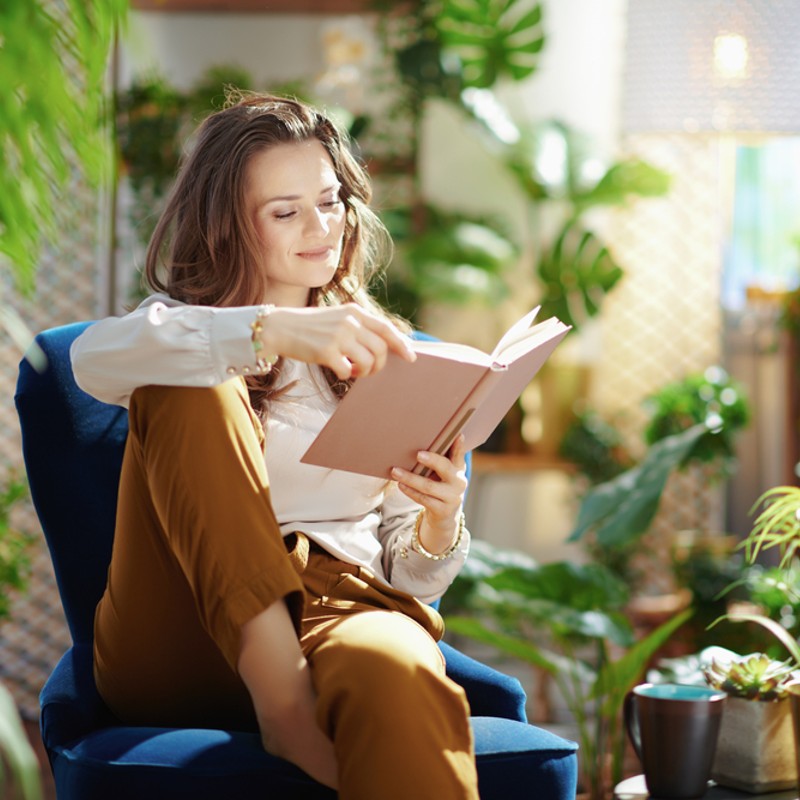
712	65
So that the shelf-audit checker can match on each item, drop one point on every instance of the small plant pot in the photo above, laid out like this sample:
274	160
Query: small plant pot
756	748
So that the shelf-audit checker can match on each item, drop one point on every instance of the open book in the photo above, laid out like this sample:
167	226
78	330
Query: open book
386	418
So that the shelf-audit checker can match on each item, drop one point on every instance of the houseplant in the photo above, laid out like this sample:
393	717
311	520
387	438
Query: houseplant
693	423
566	620
755	751
777	525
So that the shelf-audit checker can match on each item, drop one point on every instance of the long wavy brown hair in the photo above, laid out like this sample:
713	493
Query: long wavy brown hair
205	249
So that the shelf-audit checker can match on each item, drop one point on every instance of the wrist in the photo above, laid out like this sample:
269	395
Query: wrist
266	346
435	544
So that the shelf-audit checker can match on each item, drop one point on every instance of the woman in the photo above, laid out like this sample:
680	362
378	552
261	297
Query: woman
300	601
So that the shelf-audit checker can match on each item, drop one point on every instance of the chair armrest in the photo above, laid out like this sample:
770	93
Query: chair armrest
490	693
71	706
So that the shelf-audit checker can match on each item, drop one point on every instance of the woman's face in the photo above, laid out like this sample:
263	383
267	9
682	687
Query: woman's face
292	197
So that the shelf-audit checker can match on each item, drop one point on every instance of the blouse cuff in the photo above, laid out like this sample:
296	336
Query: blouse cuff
231	340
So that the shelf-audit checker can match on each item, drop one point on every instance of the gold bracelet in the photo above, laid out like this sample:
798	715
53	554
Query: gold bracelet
417	547
263	363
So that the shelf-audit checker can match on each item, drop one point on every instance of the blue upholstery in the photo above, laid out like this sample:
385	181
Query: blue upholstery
73	446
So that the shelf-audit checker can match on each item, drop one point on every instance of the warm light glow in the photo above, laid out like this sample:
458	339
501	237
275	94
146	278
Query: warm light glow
730	55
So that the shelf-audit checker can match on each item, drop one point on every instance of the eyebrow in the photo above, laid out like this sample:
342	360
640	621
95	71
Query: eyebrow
334	187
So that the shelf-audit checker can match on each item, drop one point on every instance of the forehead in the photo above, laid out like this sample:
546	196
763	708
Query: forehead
289	168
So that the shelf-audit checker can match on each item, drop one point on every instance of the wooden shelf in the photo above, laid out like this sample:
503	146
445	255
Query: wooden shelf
492	463
259	6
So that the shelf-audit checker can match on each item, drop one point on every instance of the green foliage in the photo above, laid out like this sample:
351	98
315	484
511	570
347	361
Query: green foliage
621	510
455	259
775	590
53	60
576	272
567	620
22	777
492	39
458	50
595	447
777	525
576	269
712	398
15	544
555	168
753	677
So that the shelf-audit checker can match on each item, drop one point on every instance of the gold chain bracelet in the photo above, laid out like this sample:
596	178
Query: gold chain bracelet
417	547
263	363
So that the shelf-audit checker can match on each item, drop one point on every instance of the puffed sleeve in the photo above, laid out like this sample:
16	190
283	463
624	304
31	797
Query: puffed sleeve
406	569
163	343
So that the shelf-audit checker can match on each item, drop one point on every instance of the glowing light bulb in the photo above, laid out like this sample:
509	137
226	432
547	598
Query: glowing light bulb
731	55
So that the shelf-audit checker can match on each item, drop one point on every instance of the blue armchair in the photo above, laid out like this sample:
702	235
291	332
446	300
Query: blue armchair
72	447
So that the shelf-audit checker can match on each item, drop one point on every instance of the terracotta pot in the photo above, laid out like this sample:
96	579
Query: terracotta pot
756	749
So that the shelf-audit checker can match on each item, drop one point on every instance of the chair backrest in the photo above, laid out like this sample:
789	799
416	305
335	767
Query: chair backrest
72	445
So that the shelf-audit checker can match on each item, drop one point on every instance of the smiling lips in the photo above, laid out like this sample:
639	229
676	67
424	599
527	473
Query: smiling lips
317	254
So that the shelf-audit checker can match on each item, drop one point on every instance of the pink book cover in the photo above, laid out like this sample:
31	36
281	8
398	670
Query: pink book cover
385	419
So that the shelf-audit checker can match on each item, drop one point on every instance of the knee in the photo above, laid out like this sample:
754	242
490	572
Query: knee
379	658
176	408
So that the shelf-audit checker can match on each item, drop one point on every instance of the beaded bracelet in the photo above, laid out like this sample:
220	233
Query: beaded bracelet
263	363
416	544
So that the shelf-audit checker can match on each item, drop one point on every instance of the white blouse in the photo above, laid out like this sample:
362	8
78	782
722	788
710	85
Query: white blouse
360	519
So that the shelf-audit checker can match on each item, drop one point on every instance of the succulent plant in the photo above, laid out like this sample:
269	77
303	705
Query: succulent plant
754	677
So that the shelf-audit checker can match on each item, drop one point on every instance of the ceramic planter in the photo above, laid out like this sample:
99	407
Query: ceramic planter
755	750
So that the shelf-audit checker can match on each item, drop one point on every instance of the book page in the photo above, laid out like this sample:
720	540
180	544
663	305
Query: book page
452	350
516	332
530	339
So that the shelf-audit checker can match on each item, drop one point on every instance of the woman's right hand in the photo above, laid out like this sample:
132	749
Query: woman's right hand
349	339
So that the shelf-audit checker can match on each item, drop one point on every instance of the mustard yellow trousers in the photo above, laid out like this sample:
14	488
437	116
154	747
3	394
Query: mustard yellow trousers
198	552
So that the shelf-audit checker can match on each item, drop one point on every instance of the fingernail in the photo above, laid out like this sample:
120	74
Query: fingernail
396	473
423	456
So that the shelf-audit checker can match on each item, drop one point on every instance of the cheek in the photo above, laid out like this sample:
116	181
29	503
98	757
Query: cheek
269	236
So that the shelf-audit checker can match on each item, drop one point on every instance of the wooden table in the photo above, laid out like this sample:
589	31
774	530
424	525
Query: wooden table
635	789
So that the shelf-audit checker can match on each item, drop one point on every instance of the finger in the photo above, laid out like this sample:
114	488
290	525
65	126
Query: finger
433	505
342	367
443	466
395	341
458	452
441	491
361	359
375	346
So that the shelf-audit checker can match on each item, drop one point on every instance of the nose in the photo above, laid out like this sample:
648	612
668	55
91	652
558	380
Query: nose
317	222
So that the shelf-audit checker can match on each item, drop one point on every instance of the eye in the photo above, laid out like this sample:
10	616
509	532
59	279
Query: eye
283	214
333	203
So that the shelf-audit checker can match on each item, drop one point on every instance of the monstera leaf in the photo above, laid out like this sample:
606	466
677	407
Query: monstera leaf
492	38
576	273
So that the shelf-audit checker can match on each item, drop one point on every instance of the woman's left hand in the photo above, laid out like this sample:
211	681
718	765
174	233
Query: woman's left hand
441	495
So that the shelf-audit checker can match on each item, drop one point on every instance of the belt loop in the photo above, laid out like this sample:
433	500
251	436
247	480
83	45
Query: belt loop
297	547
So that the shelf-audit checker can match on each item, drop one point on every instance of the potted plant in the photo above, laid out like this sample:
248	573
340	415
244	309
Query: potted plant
693	422
755	751
777	525
567	620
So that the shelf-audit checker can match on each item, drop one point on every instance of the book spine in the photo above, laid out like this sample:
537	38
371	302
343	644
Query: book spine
444	441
